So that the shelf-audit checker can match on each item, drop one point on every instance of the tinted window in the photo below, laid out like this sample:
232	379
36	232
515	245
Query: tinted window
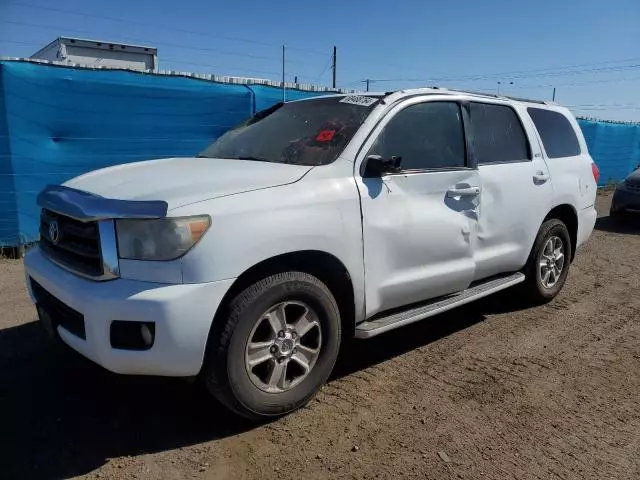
557	134
425	135
309	132
498	135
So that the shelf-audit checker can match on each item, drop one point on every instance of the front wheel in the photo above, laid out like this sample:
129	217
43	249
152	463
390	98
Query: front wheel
548	264
277	347
616	214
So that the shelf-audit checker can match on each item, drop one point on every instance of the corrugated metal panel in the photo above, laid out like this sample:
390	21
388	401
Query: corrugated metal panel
615	147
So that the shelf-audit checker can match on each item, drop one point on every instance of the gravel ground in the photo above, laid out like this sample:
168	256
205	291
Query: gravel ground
487	391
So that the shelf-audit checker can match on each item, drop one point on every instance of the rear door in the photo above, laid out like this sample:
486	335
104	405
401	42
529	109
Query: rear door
419	224
567	156
516	187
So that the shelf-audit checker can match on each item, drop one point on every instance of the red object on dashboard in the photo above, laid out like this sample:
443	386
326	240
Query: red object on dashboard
325	135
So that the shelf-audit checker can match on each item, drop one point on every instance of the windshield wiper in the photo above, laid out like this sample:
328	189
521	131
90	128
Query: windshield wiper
254	158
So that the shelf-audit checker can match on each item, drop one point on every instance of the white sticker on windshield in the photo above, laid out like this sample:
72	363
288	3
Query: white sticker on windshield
359	100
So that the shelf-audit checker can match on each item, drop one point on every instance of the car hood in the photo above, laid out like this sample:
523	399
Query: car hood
180	181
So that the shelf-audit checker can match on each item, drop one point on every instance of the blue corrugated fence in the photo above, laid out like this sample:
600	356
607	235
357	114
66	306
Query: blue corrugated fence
615	147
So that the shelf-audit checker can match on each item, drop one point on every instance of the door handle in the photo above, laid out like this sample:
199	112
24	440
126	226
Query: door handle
463	192
540	177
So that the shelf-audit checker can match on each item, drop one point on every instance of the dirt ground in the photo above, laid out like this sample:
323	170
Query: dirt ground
491	391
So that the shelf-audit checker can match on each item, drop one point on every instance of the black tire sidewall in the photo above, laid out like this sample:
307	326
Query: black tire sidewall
551	228
243	389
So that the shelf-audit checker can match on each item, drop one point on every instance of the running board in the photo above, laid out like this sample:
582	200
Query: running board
380	325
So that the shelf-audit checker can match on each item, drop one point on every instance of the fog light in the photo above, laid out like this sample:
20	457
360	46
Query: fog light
127	335
147	335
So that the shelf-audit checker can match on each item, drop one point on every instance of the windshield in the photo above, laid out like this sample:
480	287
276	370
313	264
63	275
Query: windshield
310	132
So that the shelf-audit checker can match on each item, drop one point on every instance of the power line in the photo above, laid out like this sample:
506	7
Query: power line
577	84
543	71
604	109
17	42
598	105
478	78
317	52
521	74
200	64
540	72
324	70
146	40
155	26
574	72
553	69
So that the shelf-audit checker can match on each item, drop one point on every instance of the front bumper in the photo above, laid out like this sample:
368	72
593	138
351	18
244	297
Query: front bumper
625	200
182	314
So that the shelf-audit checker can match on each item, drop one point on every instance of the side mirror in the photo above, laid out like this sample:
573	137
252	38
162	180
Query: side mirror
376	166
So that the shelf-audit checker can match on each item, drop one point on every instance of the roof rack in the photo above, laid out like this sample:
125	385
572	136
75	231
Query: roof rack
493	95
479	94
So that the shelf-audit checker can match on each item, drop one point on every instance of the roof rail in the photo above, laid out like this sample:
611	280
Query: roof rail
493	95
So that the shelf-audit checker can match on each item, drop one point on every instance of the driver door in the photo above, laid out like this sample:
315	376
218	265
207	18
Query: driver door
419	223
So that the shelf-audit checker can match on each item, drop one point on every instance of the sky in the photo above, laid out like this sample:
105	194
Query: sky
589	50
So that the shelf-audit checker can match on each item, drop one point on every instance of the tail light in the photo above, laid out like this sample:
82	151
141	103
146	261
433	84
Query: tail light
595	171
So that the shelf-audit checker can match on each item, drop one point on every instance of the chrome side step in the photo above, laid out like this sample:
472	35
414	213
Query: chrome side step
380	325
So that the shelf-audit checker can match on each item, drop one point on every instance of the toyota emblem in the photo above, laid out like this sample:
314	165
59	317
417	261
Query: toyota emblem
54	232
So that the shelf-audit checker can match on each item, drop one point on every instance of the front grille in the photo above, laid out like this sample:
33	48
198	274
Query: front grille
60	313
77	245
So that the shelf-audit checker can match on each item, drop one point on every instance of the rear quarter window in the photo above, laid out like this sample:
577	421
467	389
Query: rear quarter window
557	134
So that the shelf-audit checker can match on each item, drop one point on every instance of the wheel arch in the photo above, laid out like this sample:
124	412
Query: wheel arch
568	215
325	266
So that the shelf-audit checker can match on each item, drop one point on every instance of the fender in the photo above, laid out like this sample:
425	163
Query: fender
316	213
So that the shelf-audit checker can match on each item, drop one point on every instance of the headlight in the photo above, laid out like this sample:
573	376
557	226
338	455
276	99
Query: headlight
159	239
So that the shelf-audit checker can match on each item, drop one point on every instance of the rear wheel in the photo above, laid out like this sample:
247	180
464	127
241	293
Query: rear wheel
276	348
548	264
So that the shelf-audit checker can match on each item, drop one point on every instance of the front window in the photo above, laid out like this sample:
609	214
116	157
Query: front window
424	136
310	132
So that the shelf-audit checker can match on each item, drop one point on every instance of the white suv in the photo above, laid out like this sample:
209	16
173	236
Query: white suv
315	220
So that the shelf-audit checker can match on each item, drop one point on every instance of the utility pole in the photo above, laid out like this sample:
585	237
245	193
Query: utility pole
367	82
283	90
553	99
334	61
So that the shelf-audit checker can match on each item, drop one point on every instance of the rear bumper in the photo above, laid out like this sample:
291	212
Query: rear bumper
182	315
586	223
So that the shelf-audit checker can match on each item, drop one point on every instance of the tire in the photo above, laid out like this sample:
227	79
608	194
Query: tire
252	393
616	214
534	286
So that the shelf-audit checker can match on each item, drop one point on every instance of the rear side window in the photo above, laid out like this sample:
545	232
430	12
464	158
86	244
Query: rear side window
498	136
426	136
558	137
